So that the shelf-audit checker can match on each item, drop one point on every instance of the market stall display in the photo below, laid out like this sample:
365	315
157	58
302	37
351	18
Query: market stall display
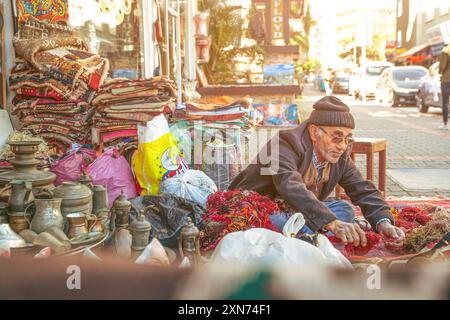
55	82
122	105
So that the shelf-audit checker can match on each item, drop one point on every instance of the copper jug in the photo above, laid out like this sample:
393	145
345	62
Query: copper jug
20	195
77	225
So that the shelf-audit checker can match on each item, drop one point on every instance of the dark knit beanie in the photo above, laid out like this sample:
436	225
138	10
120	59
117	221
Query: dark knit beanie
330	111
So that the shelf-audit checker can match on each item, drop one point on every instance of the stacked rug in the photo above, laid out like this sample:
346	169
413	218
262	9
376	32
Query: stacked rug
55	78
122	104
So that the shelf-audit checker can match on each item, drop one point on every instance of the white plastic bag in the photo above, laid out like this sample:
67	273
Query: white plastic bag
154	254
266	247
193	185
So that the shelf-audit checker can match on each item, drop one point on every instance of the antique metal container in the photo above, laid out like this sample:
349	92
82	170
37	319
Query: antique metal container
20	221
76	198
25	166
99	200
121	210
189	242
140	232
21	195
77	224
4	212
86	180
94	224
47	214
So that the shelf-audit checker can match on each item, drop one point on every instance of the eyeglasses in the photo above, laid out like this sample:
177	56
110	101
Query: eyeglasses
337	139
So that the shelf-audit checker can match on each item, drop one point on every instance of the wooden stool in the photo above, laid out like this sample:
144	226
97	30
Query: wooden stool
368	147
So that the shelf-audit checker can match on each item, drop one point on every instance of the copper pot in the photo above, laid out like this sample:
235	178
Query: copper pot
77	224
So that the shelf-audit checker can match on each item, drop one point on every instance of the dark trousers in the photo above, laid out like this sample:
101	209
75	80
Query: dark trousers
445	89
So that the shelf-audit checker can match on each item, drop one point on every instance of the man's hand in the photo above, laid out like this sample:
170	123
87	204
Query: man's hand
392	232
348	232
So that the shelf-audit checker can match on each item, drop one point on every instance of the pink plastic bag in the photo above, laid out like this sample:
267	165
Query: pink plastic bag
113	171
70	167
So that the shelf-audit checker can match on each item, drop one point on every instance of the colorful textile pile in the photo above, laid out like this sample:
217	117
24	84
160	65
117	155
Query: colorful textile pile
61	123
122	105
221	110
51	11
232	211
55	78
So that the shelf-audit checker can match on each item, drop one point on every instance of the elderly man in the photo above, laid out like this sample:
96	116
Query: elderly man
305	168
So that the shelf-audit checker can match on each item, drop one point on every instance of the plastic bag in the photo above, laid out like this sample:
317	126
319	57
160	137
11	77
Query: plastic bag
155	254
263	246
221	163
71	166
193	185
158	156
167	214
113	171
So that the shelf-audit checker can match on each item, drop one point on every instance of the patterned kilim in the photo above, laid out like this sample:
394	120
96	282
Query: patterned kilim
55	11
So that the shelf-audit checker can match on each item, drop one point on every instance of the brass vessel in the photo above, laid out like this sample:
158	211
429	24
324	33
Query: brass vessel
99	200
189	242
76	198
47	215
86	180
20	221
94	224
21	195
140	232
121	210
77	225
25	166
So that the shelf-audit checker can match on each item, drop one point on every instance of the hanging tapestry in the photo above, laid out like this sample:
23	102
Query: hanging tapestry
54	11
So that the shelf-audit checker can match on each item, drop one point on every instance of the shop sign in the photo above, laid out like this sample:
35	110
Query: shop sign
277	20
439	34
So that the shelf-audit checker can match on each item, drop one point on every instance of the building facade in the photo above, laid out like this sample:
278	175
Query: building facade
422	29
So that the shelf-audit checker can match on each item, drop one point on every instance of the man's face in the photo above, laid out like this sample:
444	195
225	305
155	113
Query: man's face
330	142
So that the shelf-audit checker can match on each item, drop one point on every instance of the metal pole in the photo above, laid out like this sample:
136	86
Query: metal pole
179	82
149	46
363	50
166	30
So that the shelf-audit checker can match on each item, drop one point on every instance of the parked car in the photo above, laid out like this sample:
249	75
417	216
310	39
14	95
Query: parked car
399	85
429	94
341	83
365	79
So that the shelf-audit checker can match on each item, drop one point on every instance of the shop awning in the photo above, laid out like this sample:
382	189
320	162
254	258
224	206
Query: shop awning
412	51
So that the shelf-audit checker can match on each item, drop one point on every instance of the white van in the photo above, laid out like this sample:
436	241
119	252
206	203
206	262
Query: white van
365	78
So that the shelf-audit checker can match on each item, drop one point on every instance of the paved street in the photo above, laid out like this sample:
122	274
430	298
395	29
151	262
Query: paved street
413	143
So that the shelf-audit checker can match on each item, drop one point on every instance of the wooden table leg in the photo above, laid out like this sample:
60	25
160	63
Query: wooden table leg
369	166
382	172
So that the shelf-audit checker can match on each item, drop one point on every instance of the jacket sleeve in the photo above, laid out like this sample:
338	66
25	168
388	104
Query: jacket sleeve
364	194
443	61
290	186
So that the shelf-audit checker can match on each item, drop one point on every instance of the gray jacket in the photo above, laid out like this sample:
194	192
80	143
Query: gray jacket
295	155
